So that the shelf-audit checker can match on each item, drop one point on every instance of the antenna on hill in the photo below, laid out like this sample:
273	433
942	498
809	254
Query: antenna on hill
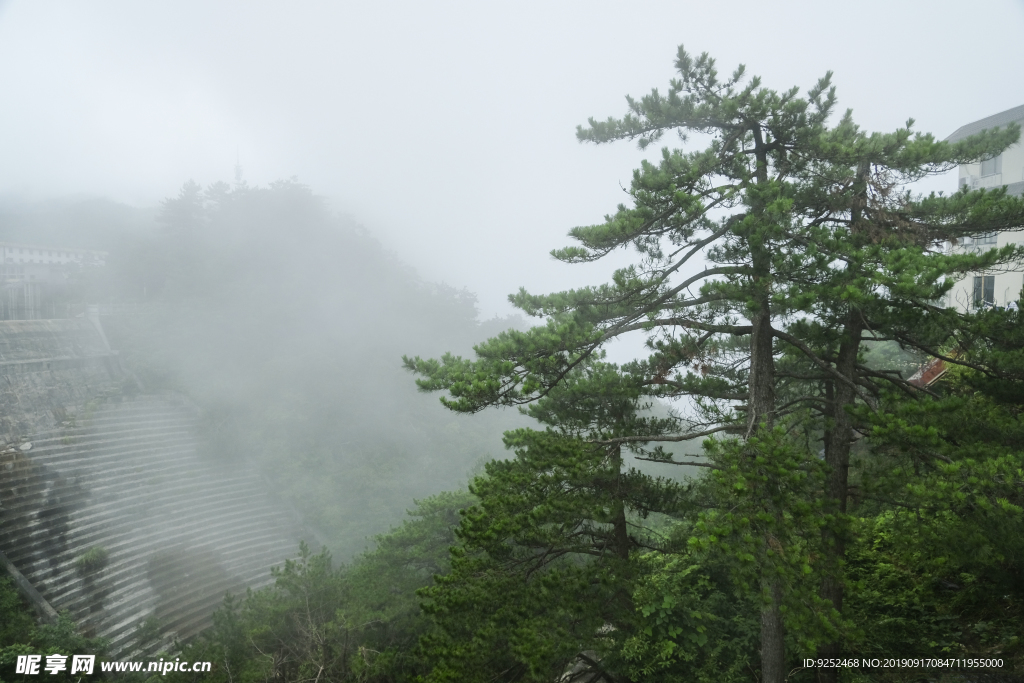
238	169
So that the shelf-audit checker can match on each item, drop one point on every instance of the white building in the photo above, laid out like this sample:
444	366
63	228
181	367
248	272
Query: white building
36	281
32	262
996	288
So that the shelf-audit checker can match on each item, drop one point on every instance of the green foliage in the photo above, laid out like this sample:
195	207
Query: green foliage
768	488
358	622
812	247
693	622
20	635
15	618
793	347
543	578
91	561
923	585
498	623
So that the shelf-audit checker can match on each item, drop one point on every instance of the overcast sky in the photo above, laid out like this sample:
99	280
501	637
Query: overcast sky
446	128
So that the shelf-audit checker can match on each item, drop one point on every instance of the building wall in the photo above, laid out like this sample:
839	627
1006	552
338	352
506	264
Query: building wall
1011	172
34	279
14	253
1007	285
87	463
46	366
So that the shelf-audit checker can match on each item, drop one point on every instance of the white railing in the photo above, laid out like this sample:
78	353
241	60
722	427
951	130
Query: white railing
994	180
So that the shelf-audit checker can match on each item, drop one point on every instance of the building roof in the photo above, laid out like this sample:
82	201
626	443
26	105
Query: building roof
929	373
994	121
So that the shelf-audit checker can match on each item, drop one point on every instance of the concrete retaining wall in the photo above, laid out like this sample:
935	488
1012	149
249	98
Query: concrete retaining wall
108	511
47	369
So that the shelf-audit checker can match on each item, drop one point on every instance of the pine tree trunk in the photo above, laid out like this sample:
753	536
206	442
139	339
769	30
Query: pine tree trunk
773	648
760	416
761	405
620	529
839	438
837	456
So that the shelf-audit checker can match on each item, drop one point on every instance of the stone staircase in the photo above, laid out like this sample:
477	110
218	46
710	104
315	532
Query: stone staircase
116	518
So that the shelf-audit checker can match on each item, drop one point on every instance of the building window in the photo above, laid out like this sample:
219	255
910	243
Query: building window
980	242
984	290
992	166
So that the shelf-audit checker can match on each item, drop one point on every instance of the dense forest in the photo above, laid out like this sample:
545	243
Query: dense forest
788	285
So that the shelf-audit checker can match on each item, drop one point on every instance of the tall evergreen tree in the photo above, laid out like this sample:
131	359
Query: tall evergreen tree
759	137
810	248
883	263
542	583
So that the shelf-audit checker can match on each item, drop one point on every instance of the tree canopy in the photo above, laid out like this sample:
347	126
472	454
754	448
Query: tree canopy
811	247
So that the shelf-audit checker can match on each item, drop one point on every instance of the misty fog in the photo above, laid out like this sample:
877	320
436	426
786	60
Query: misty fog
283	201
445	128
286	325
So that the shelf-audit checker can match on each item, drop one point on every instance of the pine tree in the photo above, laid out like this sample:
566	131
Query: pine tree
883	264
542	582
772	204
758	136
942	499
